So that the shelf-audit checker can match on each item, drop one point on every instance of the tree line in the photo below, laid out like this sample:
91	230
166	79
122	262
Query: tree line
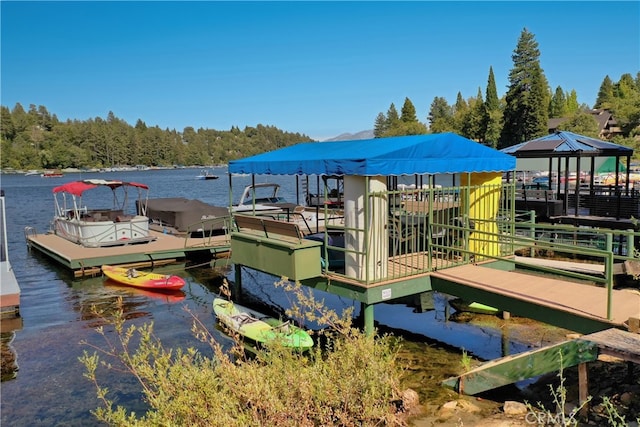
36	139
524	112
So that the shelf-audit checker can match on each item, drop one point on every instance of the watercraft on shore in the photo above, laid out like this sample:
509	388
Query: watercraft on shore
143	280
259	327
472	307
103	226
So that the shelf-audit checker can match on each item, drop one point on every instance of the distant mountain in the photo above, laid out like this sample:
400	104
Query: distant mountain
364	134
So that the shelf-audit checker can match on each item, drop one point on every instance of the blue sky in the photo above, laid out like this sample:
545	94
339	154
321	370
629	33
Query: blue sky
318	68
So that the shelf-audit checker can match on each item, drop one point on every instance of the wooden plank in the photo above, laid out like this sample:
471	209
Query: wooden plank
282	228
614	342
632	268
511	369
247	222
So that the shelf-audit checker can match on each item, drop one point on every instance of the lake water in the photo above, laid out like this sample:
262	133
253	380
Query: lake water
44	385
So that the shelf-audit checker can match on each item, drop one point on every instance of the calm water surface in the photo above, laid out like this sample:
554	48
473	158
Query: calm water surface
45	386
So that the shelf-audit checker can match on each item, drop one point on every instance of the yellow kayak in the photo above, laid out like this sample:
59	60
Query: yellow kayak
141	279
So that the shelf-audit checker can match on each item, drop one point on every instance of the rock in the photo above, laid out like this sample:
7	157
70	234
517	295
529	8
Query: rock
468	406
450	405
410	399
514	408
626	398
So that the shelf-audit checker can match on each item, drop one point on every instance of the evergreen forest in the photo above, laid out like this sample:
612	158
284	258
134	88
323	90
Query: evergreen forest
36	139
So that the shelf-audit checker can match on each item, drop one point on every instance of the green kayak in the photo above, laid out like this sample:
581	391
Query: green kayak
259	327
473	307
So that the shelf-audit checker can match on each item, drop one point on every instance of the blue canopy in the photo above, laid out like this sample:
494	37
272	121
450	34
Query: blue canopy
444	153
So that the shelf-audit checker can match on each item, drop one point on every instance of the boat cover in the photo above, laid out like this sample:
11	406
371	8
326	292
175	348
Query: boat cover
179	212
443	153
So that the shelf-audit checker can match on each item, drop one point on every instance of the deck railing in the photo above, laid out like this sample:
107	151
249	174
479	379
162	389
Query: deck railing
434	228
209	232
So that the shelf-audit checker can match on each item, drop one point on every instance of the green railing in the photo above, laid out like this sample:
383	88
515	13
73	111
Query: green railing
209	230
433	228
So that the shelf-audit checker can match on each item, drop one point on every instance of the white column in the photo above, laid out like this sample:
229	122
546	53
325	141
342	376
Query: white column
373	264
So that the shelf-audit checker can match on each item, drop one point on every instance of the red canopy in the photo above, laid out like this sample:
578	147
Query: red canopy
78	187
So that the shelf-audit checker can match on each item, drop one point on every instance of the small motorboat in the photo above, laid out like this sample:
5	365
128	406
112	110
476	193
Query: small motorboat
260	328
206	175
52	174
141	279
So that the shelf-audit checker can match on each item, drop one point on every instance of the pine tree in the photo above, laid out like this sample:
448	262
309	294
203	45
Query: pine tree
558	106
392	116
460	113
492	101
408	112
440	116
573	107
474	125
380	126
527	100
605	94
493	114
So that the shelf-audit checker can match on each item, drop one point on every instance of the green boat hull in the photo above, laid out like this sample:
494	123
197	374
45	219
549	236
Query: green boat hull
473	307
259	327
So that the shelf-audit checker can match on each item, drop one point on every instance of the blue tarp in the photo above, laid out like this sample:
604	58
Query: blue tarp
443	153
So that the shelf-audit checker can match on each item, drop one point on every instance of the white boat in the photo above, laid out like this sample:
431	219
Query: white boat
261	197
205	174
98	227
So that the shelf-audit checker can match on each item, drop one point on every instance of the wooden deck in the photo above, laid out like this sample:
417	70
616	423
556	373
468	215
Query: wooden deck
9	292
582	300
165	248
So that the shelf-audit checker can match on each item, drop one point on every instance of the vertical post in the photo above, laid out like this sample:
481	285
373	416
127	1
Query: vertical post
504	335
630	243
608	272
237	283
532	231
583	387
367	309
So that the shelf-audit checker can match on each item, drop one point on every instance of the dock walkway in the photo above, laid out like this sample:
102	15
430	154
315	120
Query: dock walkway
539	297
87	261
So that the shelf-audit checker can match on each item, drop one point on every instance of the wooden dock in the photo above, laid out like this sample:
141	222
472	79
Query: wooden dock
541	298
9	289
164	249
9	292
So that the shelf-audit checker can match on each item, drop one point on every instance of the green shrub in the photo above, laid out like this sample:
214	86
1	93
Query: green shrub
351	379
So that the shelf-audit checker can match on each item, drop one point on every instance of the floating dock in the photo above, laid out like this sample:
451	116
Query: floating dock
9	289
165	249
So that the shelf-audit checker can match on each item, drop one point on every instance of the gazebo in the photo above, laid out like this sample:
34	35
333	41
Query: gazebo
565	152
